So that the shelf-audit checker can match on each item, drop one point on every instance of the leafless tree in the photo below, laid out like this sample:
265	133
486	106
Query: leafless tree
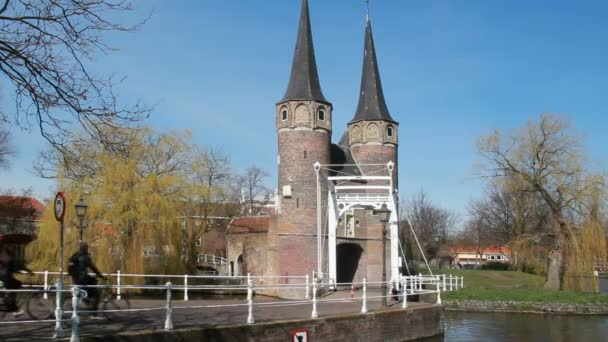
547	157
46	48
6	150
255	194
504	215
432	224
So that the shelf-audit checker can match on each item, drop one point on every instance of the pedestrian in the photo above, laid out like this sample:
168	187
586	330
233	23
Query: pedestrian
78	268
9	265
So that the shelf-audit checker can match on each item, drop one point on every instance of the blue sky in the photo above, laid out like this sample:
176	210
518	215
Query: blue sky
451	71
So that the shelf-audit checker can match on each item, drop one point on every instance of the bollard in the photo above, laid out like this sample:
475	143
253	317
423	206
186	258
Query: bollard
58	310
462	282
438	293
118	285
364	305
307	288
404	300
314	314
444	284
75	319
250	300
185	287
169	309
45	296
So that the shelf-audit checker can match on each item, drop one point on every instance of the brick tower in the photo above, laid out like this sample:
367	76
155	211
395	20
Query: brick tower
372	138
372	132
303	120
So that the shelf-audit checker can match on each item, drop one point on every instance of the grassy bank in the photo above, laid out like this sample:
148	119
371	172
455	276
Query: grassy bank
514	286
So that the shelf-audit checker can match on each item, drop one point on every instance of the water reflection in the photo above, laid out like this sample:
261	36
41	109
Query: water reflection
497	327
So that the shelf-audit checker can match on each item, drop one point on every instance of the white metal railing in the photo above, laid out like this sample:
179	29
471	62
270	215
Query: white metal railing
210	259
402	288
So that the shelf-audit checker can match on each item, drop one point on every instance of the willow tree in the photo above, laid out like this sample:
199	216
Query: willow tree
547	158
134	195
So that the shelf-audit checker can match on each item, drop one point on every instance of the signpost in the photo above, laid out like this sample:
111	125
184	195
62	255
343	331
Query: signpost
59	210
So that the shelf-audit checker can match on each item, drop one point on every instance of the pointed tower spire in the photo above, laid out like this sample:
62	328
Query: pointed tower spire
372	105
304	80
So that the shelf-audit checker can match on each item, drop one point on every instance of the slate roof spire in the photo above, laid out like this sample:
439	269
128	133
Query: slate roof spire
372	105
304	80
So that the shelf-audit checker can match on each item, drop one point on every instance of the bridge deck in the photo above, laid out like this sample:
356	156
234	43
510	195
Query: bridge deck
184	317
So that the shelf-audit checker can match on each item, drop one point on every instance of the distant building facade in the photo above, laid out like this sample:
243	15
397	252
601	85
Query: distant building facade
19	221
467	257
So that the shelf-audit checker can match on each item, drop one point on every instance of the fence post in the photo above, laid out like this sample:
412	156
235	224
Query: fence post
250	300
462	282
451	284
169	309
404	284
307	287
75	319
444	284
420	281
185	287
438	292
58	311
314	314
413	284
46	285
118	297
364	305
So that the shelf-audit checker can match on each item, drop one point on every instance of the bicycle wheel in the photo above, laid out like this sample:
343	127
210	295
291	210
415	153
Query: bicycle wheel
113	308
37	307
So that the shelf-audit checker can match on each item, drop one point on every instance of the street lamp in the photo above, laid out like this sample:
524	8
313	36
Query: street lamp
81	211
384	214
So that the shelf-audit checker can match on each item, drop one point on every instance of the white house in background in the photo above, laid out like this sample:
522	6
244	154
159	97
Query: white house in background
464	256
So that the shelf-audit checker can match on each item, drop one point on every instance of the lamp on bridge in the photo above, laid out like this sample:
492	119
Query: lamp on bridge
81	212
384	215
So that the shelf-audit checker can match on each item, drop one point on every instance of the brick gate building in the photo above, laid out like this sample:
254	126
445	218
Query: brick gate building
301	237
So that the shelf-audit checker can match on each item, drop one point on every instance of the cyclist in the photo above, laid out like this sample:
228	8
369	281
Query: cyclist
78	267
9	265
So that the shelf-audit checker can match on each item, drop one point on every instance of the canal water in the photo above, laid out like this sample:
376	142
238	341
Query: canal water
513	327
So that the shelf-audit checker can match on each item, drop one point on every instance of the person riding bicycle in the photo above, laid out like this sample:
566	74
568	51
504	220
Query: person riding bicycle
9	265
78	267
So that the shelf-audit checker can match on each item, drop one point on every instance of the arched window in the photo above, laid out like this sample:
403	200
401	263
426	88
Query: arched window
284	114
321	114
389	131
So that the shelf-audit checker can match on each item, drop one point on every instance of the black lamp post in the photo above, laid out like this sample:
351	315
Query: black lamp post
81	212
384	215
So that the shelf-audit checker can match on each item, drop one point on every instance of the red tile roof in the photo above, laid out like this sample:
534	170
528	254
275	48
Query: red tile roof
243	225
20	207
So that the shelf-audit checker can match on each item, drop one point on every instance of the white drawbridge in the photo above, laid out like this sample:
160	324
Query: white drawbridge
370	186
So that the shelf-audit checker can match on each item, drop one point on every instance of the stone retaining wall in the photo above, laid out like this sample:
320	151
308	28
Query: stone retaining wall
512	306
389	325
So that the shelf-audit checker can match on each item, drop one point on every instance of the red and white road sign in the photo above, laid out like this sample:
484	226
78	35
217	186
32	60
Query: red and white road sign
59	206
300	335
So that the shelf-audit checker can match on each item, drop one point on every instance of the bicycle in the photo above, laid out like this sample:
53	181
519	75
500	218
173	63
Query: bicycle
108	302
32	303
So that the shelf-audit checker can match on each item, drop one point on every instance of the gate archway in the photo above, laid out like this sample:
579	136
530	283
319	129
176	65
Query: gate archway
347	258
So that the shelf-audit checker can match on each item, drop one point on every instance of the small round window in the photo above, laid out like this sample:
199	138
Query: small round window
284	114
322	114
389	131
